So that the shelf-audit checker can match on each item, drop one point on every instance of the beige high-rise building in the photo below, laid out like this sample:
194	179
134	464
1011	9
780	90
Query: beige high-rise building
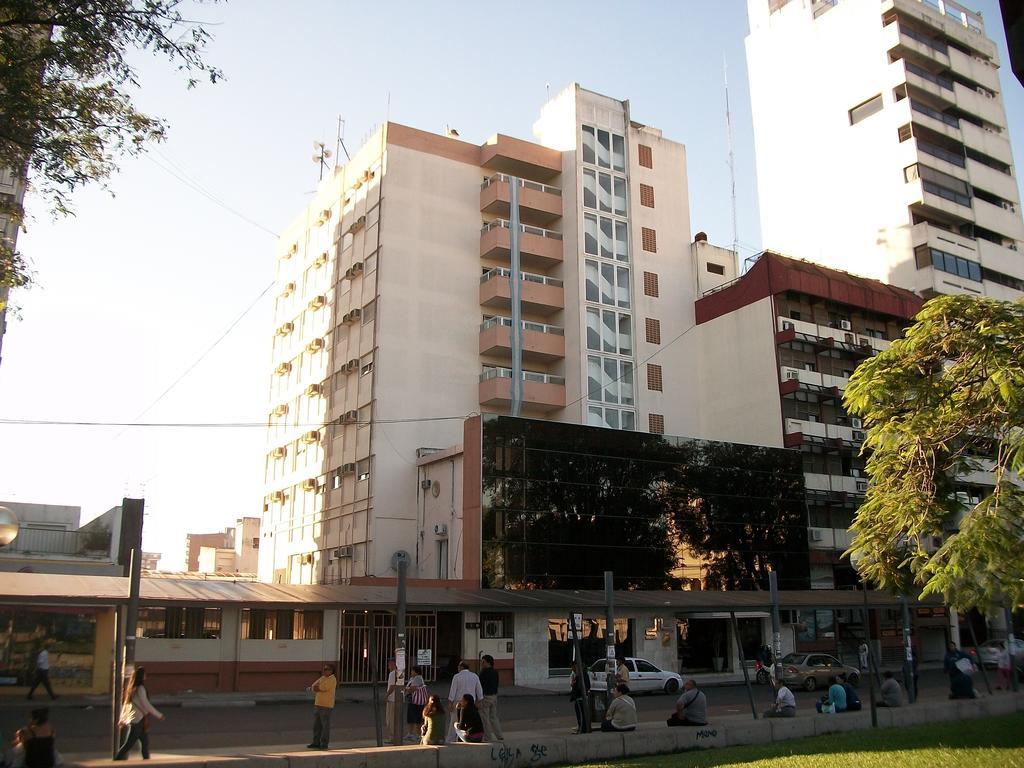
881	141
430	279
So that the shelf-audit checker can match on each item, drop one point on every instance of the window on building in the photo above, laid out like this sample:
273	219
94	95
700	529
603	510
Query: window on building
605	237
653	329
645	156
287	624
607	284
180	623
715	269
815	625
647	195
654	377
610	380
611	418
656	423
497	626
442	558
649	239
363	469
651	284
866	109
369	312
609	331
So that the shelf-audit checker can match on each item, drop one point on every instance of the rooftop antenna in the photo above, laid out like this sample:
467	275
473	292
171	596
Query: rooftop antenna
547	87
321	154
340	146
732	164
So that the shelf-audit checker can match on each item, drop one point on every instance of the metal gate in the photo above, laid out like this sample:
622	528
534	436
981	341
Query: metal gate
356	666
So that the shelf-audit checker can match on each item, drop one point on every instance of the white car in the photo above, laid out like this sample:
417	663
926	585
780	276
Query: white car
990	651
644	677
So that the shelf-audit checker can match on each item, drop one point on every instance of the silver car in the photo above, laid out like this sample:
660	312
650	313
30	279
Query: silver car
813	670
643	677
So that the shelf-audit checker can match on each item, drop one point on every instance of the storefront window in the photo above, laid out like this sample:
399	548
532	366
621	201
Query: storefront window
72	639
592	645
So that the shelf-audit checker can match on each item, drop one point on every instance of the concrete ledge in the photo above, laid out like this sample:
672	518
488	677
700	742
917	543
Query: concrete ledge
751	732
551	748
594	748
844	721
785	728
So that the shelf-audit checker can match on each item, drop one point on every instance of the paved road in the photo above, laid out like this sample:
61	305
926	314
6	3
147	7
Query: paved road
85	731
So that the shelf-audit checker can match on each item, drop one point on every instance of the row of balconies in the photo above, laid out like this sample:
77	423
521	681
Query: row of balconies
838	434
812	378
524	167
833	336
851	485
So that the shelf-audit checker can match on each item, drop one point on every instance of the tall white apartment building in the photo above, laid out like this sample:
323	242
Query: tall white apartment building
881	143
431	279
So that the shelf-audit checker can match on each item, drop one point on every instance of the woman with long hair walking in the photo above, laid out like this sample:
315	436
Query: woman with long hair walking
135	713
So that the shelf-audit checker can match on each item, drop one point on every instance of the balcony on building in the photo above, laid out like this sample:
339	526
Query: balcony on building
944	18
845	485
844	437
539	204
538	248
903	40
541	391
519	158
542	343
822	384
539	294
1003	218
829	538
825	338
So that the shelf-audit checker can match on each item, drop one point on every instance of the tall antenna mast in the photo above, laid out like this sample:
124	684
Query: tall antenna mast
732	164
340	144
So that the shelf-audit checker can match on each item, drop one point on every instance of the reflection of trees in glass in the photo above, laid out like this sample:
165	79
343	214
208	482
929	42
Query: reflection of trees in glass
741	509
562	503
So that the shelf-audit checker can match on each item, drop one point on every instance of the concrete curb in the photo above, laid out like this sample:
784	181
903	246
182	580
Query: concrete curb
550	748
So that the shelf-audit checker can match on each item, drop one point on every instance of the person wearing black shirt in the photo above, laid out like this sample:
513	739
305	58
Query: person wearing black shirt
468	724
488	705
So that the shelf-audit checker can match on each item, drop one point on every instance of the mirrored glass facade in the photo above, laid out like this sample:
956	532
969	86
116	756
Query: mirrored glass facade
562	503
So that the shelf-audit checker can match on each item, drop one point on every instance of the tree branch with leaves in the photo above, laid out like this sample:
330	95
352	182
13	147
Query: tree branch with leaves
66	114
944	413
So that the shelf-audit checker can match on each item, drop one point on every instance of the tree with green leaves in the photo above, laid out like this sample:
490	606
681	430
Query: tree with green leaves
66	110
944	414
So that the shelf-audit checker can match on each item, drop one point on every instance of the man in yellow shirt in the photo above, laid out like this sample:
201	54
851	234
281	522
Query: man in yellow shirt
323	705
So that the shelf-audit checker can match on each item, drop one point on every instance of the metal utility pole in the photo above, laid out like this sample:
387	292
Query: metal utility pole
129	557
908	653
1009	647
974	637
743	662
609	638
581	670
773	588
400	562
131	529
871	658
371	650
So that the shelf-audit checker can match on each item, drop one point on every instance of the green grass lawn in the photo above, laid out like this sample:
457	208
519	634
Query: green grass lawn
994	743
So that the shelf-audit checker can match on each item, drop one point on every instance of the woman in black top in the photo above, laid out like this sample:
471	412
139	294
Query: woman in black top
39	747
578	683
469	726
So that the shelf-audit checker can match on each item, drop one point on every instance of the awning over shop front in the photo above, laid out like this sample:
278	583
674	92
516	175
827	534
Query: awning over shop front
60	589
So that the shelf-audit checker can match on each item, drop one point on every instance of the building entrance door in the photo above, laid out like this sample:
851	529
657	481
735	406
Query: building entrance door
449	643
354	650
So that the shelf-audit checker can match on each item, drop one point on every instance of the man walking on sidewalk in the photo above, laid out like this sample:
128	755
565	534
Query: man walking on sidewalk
42	675
464	682
488	705
323	705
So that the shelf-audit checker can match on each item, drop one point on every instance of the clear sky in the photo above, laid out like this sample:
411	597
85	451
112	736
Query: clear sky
135	288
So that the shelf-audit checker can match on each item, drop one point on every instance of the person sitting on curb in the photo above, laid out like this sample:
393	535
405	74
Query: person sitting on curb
621	713
852	698
892	694
435	721
835	701
691	707
785	702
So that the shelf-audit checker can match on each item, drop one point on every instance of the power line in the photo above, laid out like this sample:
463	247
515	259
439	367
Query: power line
197	187
202	357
